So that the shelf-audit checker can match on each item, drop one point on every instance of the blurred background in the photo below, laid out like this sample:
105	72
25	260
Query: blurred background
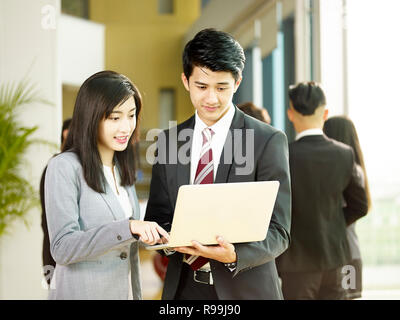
349	46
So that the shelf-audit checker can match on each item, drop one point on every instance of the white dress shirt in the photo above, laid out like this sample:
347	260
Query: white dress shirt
121	194
220	128
309	132
123	199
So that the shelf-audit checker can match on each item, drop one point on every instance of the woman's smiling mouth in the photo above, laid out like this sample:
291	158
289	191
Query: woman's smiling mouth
122	139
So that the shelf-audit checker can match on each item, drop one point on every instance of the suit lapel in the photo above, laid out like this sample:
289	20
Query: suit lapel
134	202
183	168
227	156
112	203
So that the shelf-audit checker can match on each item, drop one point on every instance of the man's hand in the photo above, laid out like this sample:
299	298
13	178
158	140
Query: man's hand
223	252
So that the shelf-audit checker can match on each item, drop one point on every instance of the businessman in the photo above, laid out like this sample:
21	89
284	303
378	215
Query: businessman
327	194
212	71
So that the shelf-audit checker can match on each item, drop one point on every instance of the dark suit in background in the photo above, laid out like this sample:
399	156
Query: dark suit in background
48	262
323	176
256	275
47	259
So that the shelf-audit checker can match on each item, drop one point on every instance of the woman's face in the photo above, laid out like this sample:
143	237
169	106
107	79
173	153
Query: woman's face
115	131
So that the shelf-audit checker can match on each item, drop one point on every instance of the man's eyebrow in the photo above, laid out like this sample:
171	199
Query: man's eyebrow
205	84
201	83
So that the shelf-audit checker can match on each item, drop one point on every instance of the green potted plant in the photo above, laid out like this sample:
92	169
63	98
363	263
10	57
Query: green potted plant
17	195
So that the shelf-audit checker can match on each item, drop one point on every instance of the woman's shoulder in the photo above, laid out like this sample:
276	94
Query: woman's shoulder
65	160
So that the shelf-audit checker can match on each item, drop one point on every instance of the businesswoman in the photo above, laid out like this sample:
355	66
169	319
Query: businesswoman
91	204
342	129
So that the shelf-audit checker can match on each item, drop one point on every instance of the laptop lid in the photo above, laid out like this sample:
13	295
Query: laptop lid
239	212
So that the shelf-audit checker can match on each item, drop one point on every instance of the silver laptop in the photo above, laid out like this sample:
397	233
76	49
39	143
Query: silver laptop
239	212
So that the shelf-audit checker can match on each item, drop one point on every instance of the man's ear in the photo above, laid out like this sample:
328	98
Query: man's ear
185	81
289	114
237	84
326	112
290	111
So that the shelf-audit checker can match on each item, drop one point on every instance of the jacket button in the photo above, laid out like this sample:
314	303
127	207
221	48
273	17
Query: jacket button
123	255
119	238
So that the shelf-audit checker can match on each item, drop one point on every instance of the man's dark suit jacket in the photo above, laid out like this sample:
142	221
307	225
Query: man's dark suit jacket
327	195
256	274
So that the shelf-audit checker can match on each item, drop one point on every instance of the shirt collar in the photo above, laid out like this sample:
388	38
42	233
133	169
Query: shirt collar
309	132
222	124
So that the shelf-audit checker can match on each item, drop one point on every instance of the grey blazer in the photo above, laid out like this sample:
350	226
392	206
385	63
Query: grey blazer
90	238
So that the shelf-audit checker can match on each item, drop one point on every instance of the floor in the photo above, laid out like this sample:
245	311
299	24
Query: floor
151	283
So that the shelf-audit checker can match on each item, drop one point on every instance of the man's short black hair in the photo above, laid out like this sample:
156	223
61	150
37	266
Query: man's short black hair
306	97
215	50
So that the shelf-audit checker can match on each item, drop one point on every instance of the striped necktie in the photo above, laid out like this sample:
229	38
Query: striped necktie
204	175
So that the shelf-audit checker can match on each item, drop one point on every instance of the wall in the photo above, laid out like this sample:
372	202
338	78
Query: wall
28	46
81	49
147	47
69	94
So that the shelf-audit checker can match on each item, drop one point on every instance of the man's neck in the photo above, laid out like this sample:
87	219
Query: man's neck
309	132
300	128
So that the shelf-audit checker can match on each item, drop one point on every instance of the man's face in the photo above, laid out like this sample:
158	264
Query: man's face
211	92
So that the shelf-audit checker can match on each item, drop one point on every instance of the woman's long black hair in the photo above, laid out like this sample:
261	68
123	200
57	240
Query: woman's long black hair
342	129
96	99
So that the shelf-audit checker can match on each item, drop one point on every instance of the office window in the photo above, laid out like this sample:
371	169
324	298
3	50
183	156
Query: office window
166	107
245	90
78	8
165	6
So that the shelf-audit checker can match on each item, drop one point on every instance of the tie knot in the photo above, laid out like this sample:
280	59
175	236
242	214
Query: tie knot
207	134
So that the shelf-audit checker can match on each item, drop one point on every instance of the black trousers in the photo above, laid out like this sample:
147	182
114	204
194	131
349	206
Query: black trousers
355	293
323	285
189	289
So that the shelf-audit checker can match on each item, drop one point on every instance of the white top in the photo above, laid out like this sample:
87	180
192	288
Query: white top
220	128
309	132
122	197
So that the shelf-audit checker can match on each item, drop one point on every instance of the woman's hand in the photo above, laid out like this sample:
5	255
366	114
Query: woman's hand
149	232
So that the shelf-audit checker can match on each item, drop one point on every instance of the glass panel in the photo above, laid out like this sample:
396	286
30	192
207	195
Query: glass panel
165	6
78	8
166	107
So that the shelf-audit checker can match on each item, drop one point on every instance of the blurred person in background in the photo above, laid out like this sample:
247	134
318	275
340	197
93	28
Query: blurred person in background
323	173
342	129
91	205
48	262
254	111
